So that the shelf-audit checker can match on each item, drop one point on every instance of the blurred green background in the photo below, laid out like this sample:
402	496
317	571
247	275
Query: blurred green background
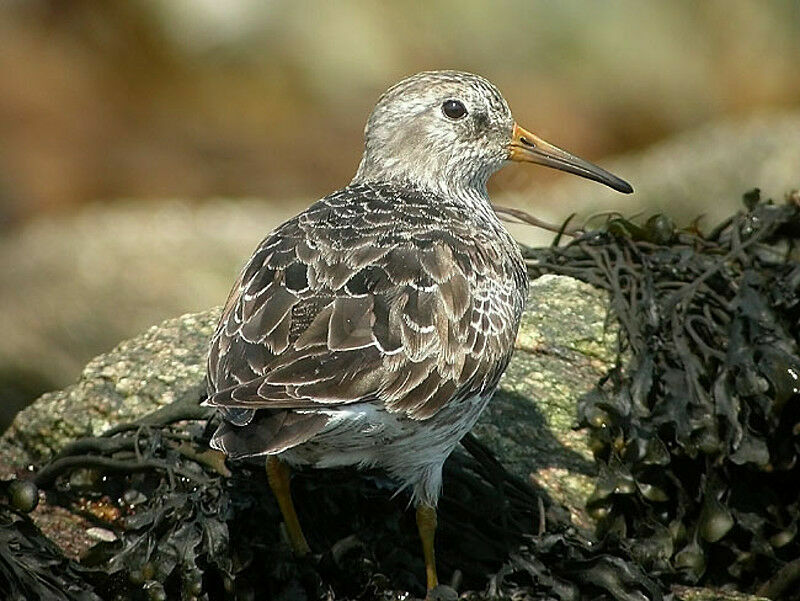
147	145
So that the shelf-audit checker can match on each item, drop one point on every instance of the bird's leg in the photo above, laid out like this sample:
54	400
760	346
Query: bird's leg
426	524
278	476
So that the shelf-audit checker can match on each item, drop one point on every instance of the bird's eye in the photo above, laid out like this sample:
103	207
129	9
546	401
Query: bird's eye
454	109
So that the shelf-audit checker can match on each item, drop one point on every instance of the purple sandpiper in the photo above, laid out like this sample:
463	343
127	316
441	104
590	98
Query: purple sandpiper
372	328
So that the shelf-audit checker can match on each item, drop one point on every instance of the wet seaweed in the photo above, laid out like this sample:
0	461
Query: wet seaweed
33	567
185	529
697	432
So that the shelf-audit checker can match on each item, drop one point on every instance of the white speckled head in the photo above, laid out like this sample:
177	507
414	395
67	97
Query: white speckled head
448	131
440	130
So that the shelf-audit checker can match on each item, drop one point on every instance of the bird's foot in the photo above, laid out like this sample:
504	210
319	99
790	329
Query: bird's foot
441	592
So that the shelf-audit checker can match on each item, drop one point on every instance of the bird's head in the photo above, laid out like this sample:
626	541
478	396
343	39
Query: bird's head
451	130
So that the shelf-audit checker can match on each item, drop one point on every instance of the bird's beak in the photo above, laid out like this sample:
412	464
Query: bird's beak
528	148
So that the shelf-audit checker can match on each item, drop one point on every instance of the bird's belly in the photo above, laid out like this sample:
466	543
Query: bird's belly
366	435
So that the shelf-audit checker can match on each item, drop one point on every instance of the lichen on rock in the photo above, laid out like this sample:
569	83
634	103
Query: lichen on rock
138	376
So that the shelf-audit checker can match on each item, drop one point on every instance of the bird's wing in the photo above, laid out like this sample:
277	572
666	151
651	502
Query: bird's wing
358	301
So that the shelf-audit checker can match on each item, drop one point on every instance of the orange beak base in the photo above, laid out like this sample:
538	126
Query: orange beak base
528	148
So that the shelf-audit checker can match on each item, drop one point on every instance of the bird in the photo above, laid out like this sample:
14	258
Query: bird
372	328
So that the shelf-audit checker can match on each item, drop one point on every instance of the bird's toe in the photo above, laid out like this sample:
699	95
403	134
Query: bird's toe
441	593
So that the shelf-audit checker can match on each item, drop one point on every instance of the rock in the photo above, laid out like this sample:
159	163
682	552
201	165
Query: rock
566	343
137	377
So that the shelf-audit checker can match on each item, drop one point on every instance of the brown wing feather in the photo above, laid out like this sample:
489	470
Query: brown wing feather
349	302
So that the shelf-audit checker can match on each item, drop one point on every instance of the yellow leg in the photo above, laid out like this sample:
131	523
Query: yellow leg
426	523
278	476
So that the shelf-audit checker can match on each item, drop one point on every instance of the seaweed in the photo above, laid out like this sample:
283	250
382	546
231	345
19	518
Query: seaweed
697	432
33	567
187	527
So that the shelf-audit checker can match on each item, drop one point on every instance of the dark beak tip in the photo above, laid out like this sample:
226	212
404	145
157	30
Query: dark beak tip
624	187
